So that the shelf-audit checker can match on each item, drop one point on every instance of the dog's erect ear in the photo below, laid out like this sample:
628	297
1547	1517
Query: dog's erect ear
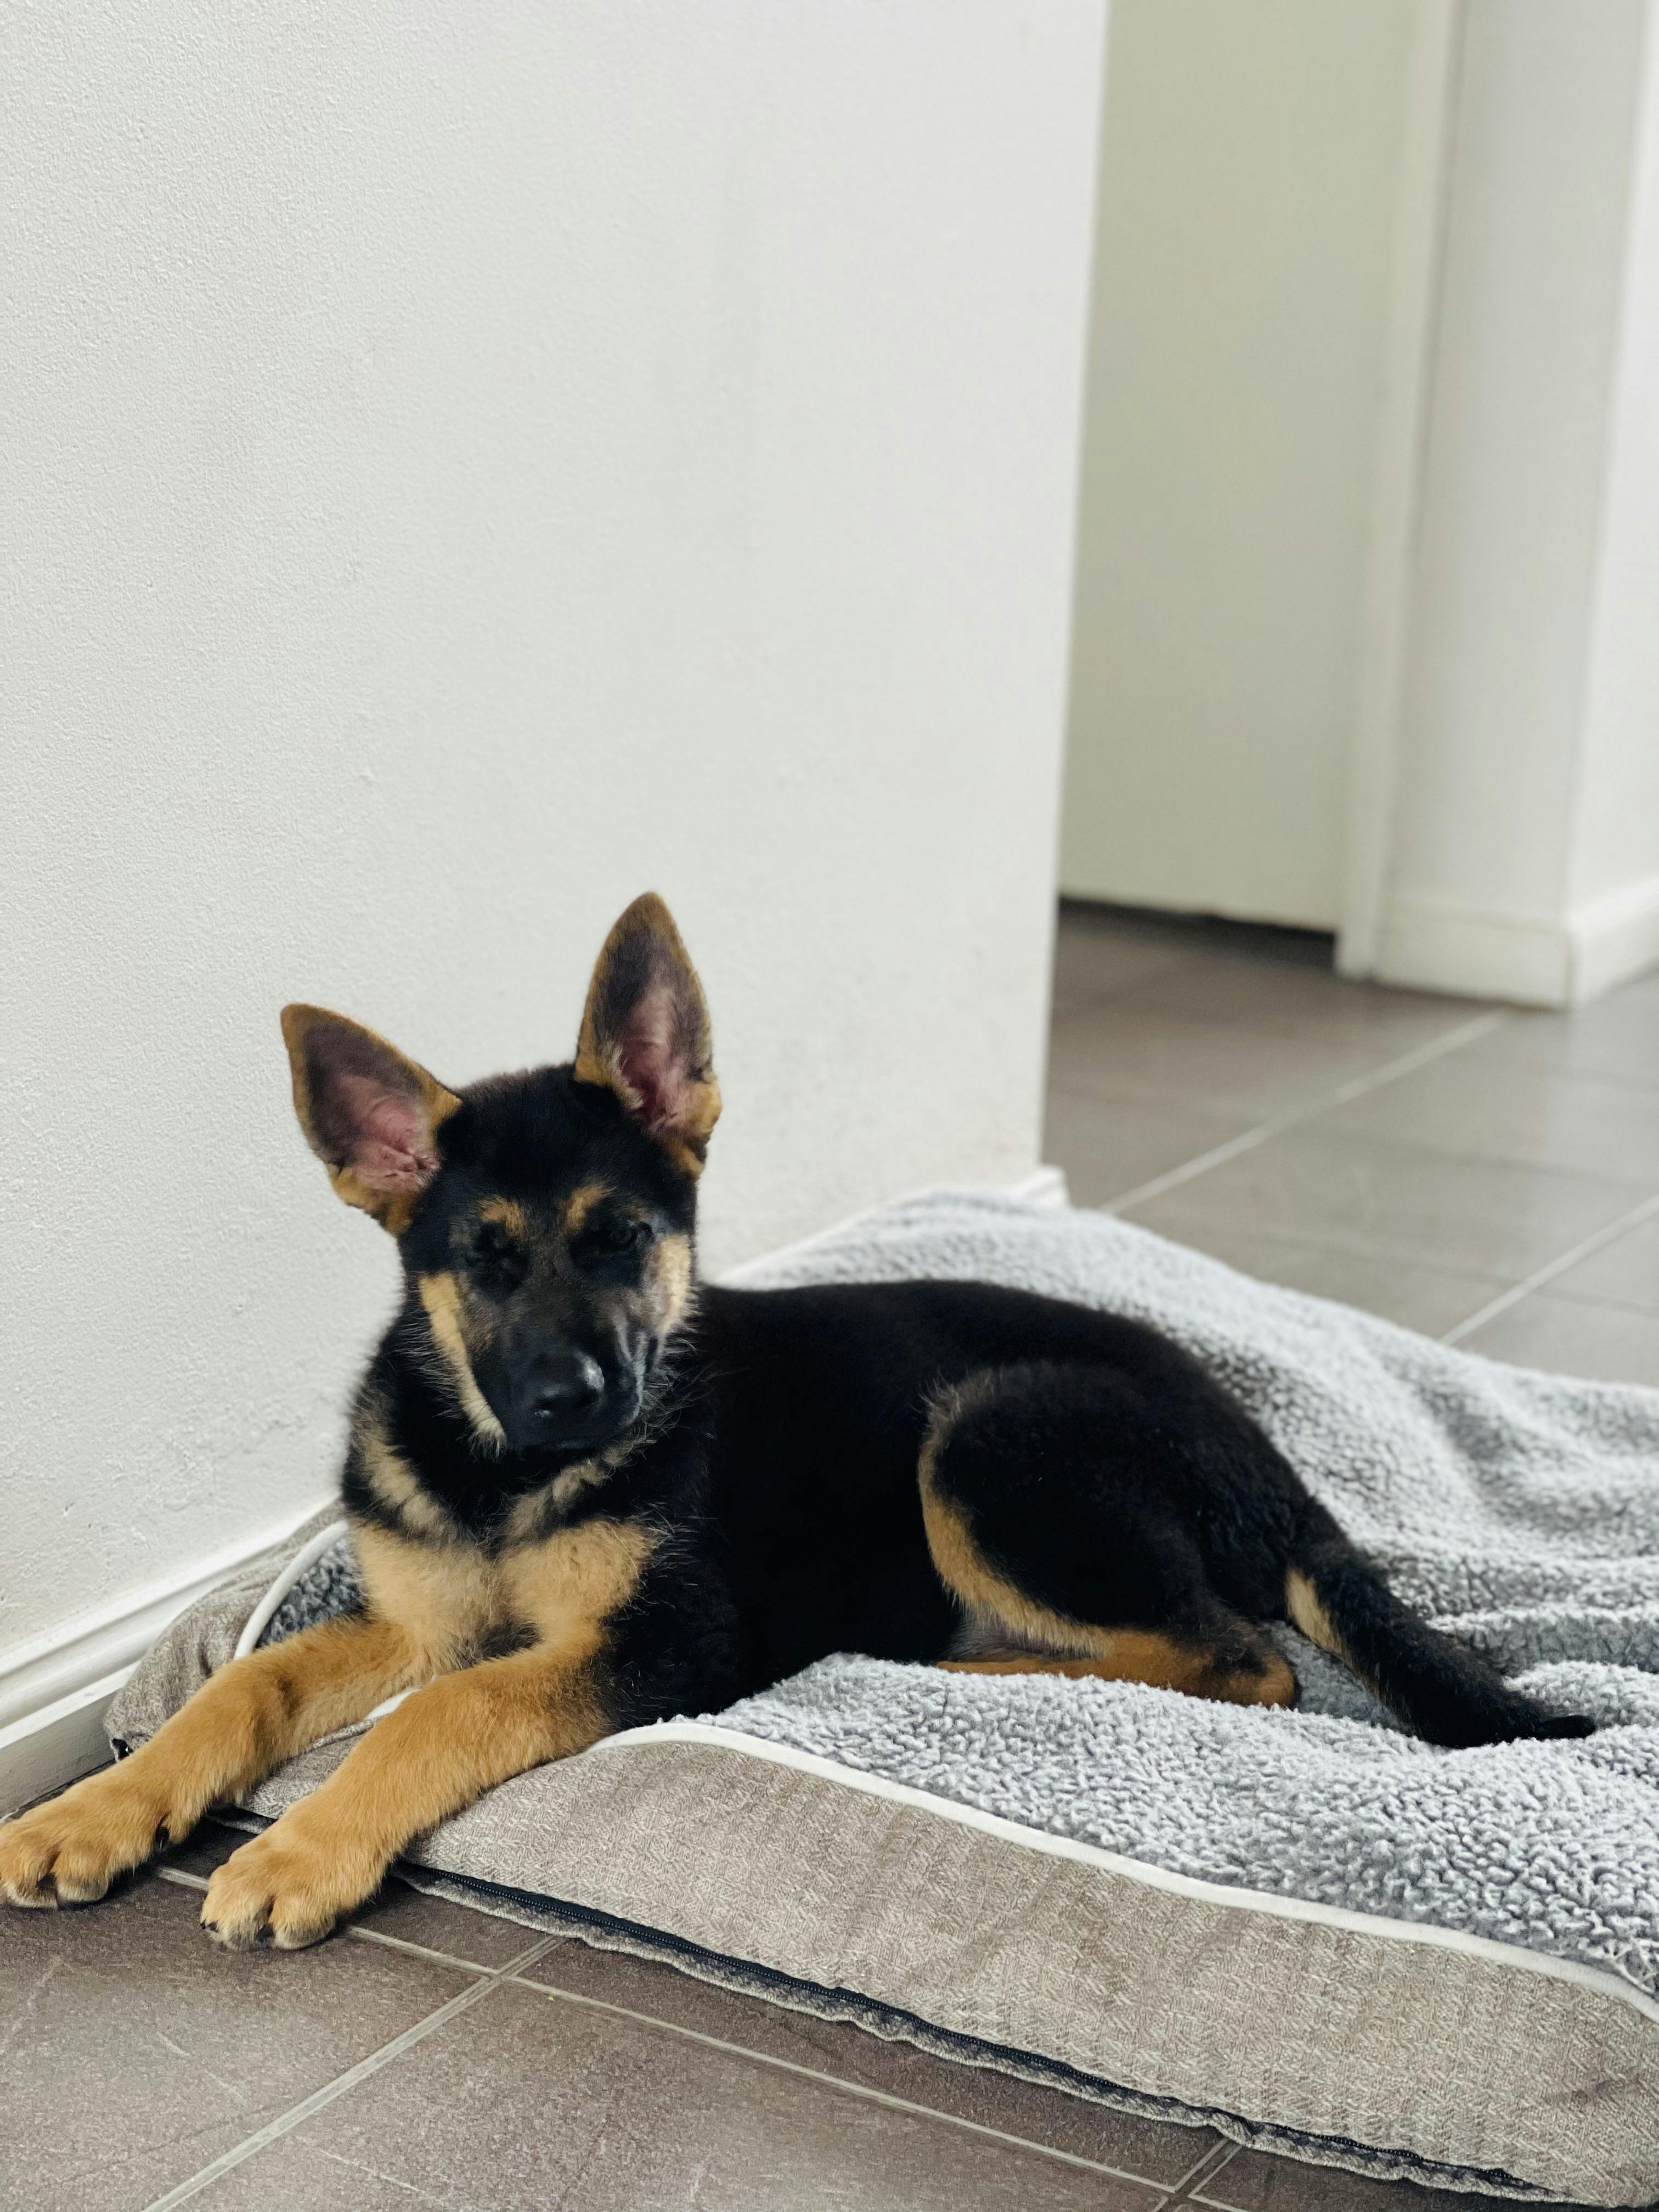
644	1033
370	1116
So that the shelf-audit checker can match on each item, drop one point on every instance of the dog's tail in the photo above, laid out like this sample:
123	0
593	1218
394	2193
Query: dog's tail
1446	1692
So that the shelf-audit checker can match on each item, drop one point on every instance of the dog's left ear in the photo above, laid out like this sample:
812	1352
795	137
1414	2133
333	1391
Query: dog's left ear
644	1033
369	1113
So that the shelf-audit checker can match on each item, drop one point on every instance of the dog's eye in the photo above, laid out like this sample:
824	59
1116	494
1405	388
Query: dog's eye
496	1258
610	1239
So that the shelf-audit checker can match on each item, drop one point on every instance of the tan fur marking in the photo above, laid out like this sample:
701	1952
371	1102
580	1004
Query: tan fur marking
392	1479
669	1279
444	1597
428	1606
448	1598
529	1520
989	1596
393	1212
440	1750
580	1204
457	1737
1302	1603
1140	1655
441	1294
247	1718
1054	1643
506	1213
567	1588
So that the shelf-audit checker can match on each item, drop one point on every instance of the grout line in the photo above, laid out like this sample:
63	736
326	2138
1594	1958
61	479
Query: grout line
1361	1085
1547	1273
1185	2191
358	1934
416	1950
832	2082
178	1878
462	2002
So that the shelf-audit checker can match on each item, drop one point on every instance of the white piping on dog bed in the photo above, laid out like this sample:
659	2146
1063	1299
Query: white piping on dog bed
265	1612
1154	1877
301	1563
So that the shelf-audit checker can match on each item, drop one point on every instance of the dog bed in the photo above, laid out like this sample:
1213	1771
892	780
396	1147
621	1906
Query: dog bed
1303	1929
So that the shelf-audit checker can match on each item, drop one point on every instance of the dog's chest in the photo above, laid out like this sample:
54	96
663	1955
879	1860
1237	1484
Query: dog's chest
456	1600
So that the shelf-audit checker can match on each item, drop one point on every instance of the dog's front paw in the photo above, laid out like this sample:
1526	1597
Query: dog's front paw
69	1851
283	1889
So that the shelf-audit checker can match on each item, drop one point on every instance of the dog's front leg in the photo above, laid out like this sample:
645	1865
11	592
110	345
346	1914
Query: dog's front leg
248	1717
442	1748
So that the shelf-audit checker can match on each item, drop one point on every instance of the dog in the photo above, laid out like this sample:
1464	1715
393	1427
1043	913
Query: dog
586	1492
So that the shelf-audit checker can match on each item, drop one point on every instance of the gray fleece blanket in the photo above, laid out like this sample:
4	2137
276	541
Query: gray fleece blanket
1518	1511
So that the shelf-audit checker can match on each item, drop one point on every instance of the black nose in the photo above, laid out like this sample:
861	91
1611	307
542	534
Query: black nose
566	1387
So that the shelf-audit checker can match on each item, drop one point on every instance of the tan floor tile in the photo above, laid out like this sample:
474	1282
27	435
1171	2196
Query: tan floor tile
137	2052
1109	1146
1573	1336
1429	1299
1121	1051
1147	2149
1098	953
1479	1101
1624	1272
1234	986
525	2101
1361	1194
1616	1037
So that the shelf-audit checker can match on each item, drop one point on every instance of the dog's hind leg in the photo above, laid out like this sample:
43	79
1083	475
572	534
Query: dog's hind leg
1064	1558
247	1718
1162	1662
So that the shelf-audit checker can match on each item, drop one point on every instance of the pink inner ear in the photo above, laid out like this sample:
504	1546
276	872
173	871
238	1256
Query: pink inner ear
650	1064
391	1147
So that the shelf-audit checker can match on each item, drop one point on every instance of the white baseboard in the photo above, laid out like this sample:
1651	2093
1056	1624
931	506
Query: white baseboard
56	1687
1615	938
1044	1186
1439	945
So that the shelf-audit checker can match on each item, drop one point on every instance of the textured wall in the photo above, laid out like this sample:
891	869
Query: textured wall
465	466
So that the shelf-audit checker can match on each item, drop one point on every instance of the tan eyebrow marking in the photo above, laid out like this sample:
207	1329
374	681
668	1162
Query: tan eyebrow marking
507	1213
580	1203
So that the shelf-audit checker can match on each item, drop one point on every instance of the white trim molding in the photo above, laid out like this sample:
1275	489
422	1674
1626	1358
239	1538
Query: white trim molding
1613	938
1438	943
56	1687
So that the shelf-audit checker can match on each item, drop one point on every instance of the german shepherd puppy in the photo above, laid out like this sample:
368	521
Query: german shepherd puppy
586	1492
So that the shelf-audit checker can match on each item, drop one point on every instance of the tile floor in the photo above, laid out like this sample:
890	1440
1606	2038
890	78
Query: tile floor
1483	1175
1479	1173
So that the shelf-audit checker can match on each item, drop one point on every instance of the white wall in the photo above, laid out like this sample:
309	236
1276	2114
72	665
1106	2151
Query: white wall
1515	848
1613	864
462	466
1535	543
1249	177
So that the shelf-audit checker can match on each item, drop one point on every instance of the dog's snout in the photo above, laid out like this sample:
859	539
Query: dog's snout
564	1388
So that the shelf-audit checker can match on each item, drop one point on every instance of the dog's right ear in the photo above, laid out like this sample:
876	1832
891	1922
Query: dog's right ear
371	1117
